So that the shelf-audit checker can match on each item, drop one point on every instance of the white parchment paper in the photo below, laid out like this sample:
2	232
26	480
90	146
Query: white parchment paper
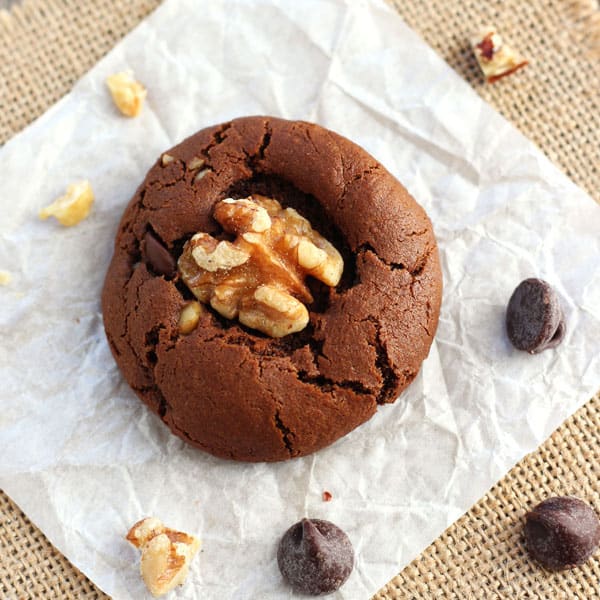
82	456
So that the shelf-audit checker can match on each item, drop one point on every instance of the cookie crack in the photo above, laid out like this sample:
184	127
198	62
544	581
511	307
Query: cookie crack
417	233
308	137
286	432
326	384
383	364
394	266
253	160
152	339
158	185
128	315
264	143
427	317
218	137
149	360
365	172
422	262
367	247
162	401
347	183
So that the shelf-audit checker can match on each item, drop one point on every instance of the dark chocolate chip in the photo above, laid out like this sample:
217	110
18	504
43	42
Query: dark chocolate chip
315	557
559	335
562	532
158	257
534	318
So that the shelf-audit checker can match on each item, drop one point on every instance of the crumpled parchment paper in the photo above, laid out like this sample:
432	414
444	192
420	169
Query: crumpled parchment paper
82	456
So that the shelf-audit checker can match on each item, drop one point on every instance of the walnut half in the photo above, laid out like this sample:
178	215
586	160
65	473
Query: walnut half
259	277
166	554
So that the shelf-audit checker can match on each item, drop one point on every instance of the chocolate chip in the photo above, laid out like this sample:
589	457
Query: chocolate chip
315	557
534	318
158	257
559	335
562	532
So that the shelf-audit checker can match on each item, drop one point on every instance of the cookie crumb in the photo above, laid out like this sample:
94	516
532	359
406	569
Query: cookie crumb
495	58
73	207
166	554
327	496
5	277
127	93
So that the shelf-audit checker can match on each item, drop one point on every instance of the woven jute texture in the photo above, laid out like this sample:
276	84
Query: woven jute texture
46	45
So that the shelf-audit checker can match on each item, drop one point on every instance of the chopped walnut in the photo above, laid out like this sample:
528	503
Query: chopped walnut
496	59
127	93
195	163
212	255
5	277
272	311
166	554
201	174
73	207
259	277
189	317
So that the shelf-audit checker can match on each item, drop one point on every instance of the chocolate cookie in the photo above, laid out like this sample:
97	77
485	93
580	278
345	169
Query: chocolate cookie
232	390
315	557
534	317
562	532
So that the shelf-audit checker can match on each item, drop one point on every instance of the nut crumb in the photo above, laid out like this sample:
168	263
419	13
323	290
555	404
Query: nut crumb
327	496
127	93
166	554
5	277
189	317
166	159
201	174
73	207
195	163
495	58
260	276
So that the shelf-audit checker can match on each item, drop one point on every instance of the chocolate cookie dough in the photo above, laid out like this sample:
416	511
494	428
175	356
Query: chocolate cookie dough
315	557
534	317
562	532
231	390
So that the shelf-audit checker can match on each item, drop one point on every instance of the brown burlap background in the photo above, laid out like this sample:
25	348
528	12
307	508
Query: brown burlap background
46	45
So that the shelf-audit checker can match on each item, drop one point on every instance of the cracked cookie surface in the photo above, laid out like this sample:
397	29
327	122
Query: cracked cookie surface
232	391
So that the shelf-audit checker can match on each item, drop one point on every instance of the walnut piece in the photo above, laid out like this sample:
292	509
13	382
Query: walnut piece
212	255
189	317
166	554
73	207
201	174
259	276
496	59
5	277
195	163
127	93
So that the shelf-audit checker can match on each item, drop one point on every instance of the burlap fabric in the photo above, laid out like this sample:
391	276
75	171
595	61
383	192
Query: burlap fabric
45	45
